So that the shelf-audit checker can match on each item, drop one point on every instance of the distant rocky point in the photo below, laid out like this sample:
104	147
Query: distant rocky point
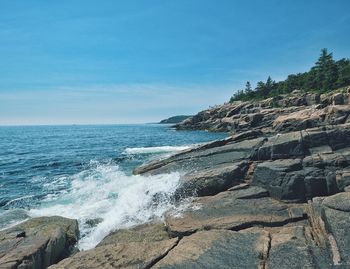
175	119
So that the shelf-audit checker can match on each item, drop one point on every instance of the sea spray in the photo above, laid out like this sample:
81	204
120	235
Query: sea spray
105	195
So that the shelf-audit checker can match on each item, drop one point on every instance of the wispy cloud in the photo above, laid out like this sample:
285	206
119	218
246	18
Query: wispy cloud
109	103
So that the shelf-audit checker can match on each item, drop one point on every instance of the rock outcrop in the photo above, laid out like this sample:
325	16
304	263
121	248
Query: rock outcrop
292	167
283	113
38	242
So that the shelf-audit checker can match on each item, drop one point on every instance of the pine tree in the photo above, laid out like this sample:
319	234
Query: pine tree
326	71
248	88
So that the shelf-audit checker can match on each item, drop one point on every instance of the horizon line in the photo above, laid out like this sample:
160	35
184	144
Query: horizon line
78	124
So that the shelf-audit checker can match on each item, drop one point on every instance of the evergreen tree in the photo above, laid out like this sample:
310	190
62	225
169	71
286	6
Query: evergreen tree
326	71
343	67
260	89
269	86
248	91
264	89
326	75
248	88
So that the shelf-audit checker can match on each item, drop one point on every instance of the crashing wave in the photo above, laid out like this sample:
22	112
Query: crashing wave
105	193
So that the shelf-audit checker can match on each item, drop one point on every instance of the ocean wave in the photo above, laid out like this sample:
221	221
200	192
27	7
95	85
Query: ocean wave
105	193
9	218
19	202
149	150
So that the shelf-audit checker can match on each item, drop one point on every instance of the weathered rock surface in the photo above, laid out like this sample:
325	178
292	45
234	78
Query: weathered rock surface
38	242
336	216
130	255
293	166
289	249
282	113
218	249
235	210
150	232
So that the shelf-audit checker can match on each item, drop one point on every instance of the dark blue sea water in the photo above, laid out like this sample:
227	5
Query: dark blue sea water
85	172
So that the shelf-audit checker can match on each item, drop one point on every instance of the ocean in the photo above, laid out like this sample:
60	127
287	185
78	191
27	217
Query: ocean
85	172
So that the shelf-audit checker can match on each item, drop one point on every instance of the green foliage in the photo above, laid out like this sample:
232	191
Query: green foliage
325	75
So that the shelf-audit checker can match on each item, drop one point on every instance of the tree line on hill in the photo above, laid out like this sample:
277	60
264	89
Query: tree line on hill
326	75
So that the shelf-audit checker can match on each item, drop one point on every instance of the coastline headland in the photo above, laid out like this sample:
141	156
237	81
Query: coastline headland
274	194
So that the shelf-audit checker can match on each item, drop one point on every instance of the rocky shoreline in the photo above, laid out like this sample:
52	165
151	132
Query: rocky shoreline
282	113
274	194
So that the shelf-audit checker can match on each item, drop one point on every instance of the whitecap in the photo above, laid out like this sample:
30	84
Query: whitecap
18	200
150	150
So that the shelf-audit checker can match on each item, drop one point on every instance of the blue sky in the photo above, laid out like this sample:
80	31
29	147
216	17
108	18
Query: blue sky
81	61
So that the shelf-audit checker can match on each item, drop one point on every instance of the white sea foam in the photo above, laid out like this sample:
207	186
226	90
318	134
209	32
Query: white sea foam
104	192
149	150
18	200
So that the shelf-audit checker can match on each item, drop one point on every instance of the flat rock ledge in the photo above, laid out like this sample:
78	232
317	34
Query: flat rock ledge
264	233
37	243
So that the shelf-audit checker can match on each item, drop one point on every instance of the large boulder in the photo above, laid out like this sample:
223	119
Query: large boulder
37	243
299	120
212	181
338	99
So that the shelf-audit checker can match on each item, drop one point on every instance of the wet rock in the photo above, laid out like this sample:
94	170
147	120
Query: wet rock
38	242
93	222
